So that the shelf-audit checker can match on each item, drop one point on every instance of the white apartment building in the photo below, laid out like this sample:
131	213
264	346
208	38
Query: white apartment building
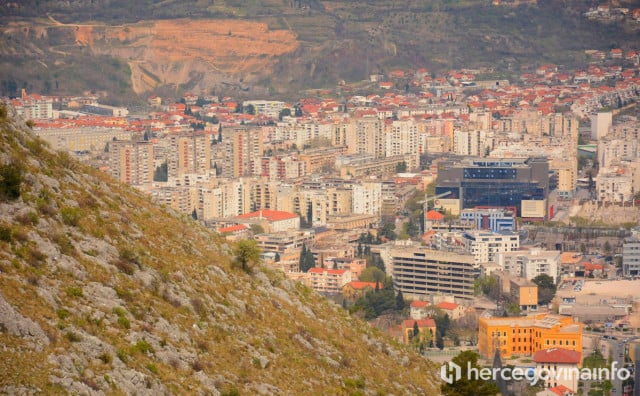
484	245
614	185
530	263
402	138
473	143
367	198
329	280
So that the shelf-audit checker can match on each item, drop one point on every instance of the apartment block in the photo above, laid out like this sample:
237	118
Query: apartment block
531	263
419	272
82	138
524	293
131	162
484	245
325	280
240	152
189	153
631	257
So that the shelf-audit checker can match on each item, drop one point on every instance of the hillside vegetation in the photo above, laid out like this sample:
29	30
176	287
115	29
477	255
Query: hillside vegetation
263	47
102	291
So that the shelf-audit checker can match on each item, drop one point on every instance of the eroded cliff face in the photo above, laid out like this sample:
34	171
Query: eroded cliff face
200	52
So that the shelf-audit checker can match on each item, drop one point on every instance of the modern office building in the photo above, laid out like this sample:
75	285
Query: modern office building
518	183
419	272
491	219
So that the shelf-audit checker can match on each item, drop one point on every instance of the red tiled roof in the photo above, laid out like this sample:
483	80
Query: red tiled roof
434	215
561	390
361	285
428	322
233	228
418	304
318	270
557	355
447	305
270	215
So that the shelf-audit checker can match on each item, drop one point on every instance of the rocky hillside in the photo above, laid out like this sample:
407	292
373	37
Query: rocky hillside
102	292
261	48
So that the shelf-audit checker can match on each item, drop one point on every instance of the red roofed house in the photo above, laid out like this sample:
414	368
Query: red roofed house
432	217
356	289
563	364
328	280
271	220
234	232
426	327
455	311
418	309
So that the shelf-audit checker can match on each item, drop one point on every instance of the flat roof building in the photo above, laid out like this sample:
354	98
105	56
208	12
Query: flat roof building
518	183
419	272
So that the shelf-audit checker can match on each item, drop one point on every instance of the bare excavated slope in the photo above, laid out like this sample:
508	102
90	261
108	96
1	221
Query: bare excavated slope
101	291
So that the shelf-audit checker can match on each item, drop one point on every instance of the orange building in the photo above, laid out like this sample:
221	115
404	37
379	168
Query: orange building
528	335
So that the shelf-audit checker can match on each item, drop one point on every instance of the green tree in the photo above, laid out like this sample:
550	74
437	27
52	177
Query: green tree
400	303
247	254
10	181
514	309
401	167
372	274
387	231
467	385
256	229
161	173
546	288
250	109
284	113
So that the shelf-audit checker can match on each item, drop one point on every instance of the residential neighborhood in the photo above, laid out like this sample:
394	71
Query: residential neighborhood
414	208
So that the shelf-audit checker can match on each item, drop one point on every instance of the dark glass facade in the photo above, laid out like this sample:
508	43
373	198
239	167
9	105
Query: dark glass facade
495	183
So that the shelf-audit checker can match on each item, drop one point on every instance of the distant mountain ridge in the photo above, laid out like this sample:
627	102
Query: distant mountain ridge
103	292
289	45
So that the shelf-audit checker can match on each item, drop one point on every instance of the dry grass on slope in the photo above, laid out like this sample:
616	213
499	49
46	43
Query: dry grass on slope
101	290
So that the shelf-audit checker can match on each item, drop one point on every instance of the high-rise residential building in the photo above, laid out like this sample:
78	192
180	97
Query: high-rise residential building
518	183
600	124
242	150
475	143
567	171
402	138
367	137
131	162
420	272
367	198
189	153
631	257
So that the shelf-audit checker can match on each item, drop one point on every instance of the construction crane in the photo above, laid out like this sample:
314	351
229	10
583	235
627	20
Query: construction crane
428	199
